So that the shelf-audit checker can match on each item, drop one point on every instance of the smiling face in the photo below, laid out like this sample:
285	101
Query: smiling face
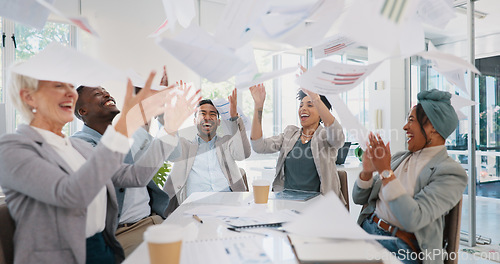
415	137
95	102
207	121
54	103
308	113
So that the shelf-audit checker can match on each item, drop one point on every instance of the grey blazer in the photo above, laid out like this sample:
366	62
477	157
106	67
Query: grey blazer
229	148
439	188
324	146
48	201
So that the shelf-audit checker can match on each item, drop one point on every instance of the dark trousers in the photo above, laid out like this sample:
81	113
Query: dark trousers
98	252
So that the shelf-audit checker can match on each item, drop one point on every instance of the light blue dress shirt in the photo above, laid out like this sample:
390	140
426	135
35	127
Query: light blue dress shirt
206	174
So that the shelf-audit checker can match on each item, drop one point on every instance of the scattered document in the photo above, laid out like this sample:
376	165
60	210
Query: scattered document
348	120
334	45
234	28
64	64
81	22
138	81
223	106
447	62
162	28
28	12
224	251
379	23
329	77
327	217
198	50
459	102
436	12
262	77
181	11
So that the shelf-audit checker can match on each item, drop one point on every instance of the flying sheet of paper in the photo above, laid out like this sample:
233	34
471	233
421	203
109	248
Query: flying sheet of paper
162	28
81	22
198	50
457	78
459	102
223	105
327	217
235	25
378	23
64	64
447	62
336	44
412	38
28	12
313	29
182	11
262	77
436	12
348	120
139	81
328	77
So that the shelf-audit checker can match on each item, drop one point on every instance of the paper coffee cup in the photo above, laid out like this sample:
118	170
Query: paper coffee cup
164	243
261	191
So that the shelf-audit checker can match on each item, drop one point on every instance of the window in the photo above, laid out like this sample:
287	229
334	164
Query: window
424	77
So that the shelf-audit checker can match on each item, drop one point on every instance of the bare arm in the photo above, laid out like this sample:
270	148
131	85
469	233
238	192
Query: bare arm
259	96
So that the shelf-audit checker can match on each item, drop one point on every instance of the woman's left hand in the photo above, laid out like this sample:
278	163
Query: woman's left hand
379	153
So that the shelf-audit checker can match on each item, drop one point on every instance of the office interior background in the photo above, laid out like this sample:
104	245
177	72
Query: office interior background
380	103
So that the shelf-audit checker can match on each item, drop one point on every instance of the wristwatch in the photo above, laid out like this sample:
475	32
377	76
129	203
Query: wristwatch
386	174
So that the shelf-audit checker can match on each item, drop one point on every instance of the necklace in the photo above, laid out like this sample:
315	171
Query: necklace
308	137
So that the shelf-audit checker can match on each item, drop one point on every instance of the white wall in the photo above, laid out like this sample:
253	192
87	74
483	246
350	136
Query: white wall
123	26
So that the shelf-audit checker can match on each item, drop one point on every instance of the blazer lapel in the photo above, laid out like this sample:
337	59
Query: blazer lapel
427	171
46	150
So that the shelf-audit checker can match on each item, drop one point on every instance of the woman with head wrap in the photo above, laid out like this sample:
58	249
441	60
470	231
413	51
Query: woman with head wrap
415	189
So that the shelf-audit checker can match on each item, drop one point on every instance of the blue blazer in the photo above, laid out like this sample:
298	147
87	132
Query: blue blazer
438	189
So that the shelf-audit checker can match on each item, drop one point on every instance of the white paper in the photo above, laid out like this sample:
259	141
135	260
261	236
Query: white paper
459	102
457	78
162	28
411	39
235	26
329	77
336	44
223	106
64	64
327	217
447	62
348	120
80	22
28	12
181	11
378	23
139	81
436	12
262	77
198	50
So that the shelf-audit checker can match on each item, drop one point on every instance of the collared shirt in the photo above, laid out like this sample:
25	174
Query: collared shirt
406	177
96	211
206	174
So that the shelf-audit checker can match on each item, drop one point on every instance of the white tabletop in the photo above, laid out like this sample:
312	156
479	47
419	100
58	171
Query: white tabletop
275	245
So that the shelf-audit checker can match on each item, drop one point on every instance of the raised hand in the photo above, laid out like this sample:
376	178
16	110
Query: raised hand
379	153
164	78
258	94
233	103
180	107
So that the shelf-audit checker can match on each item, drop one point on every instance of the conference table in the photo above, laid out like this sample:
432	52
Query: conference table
200	237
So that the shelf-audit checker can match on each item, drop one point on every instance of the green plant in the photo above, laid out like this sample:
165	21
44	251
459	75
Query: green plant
358	152
161	176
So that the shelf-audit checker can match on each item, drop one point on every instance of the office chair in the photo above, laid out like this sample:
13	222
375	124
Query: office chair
6	236
451	232
344	187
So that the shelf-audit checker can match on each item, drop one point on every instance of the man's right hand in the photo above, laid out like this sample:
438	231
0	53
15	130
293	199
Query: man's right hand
258	94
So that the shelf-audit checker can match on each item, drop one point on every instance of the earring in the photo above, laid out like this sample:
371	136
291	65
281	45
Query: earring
33	110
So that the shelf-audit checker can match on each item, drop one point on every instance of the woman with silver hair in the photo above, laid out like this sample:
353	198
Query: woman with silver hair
414	189
60	190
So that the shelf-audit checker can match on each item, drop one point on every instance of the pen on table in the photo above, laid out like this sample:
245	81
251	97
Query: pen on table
245	231
198	219
293	248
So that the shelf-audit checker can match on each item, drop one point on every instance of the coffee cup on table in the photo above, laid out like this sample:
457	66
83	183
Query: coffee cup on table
164	243
261	191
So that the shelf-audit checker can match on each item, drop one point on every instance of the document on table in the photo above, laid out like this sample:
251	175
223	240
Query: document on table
224	250
320	250
327	217
329	77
